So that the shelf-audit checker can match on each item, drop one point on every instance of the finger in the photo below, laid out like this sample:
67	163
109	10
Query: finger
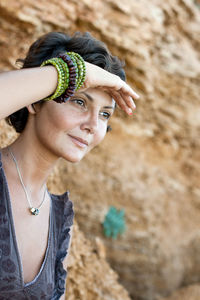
120	101
96	76
125	88
128	90
128	100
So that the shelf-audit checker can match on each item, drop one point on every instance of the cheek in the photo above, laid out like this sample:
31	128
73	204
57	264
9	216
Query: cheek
51	125
58	120
99	136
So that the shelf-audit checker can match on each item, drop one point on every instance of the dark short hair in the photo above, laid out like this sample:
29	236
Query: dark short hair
51	45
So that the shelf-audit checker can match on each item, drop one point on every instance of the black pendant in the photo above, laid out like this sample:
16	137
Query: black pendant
34	211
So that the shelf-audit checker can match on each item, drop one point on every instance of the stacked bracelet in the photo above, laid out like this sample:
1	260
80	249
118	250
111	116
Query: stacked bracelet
81	68
62	76
71	75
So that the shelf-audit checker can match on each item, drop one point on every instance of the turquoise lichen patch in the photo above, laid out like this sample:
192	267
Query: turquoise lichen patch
114	222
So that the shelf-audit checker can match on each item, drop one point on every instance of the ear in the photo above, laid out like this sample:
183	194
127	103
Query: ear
31	109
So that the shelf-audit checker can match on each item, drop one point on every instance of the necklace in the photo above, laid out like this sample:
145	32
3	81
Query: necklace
33	210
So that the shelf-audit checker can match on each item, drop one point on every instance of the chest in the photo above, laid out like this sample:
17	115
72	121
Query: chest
30	233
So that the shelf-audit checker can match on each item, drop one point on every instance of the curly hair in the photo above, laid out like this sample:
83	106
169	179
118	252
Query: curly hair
51	45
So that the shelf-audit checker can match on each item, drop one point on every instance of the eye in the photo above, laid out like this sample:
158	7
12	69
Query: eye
106	115
80	102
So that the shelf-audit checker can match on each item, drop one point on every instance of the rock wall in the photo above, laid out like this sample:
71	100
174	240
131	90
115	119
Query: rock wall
188	293
149	164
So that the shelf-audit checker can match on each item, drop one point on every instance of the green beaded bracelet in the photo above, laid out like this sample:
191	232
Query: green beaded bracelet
61	86
66	71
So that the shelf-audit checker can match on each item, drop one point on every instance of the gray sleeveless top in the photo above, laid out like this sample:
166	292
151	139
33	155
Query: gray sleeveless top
49	284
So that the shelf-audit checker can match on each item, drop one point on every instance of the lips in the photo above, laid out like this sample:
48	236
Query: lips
79	141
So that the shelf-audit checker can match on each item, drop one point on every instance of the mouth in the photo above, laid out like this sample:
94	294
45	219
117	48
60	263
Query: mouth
78	141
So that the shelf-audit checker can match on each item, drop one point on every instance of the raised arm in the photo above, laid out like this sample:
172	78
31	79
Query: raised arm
20	88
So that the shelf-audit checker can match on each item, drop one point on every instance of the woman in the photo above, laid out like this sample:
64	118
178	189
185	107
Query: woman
35	226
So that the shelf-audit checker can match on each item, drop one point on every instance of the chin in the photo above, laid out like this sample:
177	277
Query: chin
73	159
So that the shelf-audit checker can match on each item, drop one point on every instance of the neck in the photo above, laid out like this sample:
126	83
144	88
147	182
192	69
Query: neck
35	162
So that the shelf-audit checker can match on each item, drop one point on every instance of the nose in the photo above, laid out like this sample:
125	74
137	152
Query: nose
91	123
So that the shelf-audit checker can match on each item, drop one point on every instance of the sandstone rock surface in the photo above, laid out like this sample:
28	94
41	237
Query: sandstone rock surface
192	292
150	163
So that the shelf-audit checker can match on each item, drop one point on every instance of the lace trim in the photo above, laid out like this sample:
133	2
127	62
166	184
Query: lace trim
66	211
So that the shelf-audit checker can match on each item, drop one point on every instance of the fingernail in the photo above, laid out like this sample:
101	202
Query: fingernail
132	103
134	106
137	96
130	111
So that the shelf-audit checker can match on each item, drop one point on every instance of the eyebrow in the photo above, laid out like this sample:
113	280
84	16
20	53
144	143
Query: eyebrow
92	99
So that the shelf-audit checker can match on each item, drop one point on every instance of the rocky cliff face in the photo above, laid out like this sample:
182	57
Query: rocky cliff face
149	164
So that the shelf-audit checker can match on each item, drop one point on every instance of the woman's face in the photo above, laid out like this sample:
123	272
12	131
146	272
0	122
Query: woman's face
72	129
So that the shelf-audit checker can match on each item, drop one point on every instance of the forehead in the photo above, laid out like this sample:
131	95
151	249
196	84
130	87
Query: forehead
98	96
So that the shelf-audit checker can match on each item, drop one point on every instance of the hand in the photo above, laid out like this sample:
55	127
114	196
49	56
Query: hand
119	90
